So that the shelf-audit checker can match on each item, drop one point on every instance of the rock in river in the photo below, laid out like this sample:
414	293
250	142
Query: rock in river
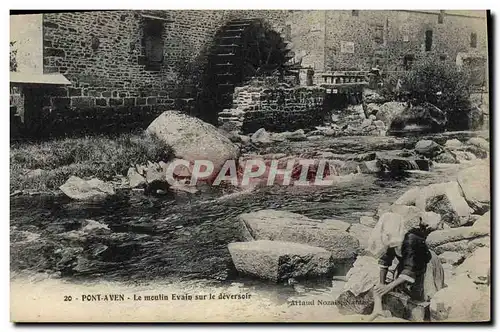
279	261
463	240
192	139
445	199
428	148
79	189
475	184
292	227
476	266
462	301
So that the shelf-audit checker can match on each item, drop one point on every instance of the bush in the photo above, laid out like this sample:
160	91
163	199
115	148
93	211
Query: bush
101	157
443	85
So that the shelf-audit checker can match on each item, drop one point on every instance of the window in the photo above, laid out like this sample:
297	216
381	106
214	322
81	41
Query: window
473	40
408	61
428	40
442	57
378	36
153	41
355	13
441	17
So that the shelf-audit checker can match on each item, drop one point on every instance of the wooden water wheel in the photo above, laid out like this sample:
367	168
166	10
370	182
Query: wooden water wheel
242	49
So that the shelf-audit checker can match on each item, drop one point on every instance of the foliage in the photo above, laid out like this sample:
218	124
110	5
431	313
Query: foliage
101	157
438	83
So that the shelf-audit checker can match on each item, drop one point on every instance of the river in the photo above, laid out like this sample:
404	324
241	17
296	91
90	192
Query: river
186	236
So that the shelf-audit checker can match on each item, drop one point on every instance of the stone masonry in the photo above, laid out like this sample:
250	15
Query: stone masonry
275	108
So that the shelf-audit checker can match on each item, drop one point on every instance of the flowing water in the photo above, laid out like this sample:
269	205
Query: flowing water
187	236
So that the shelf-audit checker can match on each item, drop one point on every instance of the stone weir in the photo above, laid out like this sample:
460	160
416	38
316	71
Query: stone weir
276	108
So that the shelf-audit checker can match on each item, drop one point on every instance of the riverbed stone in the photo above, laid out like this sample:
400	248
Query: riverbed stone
463	156
451	257
409	197
298	135
453	144
483	221
463	240
446	157
135	179
447	200
79	189
462	300
387	112
286	226
428	148
393	163
476	266
339	224
261	136
475	184
367	221
479	142
193	139
279	261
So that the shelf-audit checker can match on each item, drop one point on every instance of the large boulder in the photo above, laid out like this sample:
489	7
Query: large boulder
483	221
387	112
420	118
79	189
445	199
451	257
428	148
391	162
475	184
409	197
192	139
279	261
476	266
461	239
292	227
462	301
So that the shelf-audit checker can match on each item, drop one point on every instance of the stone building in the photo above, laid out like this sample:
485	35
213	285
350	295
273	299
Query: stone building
124	67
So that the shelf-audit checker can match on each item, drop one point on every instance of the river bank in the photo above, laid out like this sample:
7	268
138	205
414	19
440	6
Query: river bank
41	167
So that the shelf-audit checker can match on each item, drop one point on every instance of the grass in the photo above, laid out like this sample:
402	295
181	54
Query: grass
98	156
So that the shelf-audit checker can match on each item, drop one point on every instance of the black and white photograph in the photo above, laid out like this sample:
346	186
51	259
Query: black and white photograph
263	165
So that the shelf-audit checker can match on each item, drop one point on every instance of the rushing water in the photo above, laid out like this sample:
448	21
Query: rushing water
187	235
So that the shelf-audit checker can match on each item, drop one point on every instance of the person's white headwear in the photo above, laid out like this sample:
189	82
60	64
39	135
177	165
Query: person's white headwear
389	232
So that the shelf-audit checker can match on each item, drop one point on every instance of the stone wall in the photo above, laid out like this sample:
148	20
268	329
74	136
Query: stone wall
275	108
103	54
385	37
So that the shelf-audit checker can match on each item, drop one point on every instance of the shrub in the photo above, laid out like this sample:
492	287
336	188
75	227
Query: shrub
443	85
